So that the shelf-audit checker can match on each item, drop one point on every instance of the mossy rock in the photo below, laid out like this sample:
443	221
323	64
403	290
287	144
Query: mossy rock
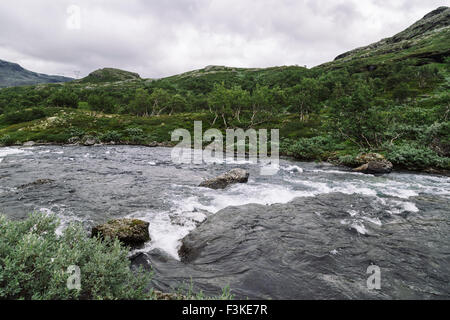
131	232
369	157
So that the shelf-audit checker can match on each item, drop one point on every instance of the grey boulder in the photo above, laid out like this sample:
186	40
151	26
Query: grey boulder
224	180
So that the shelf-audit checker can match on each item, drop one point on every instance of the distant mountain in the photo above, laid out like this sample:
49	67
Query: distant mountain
110	75
12	74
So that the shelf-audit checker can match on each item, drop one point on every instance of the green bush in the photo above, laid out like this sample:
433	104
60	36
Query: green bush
111	136
64	98
102	103
348	160
34	263
135	135
414	156
134	132
76	132
6	140
311	148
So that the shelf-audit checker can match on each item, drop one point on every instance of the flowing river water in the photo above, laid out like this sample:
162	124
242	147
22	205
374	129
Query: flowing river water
308	232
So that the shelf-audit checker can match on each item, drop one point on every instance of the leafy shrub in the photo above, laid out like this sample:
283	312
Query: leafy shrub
135	135
347	160
102	103
415	156
34	261
134	132
6	140
63	98
311	148
76	132
111	136
439	130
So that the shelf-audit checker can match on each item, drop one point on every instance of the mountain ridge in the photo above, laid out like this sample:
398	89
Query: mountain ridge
12	74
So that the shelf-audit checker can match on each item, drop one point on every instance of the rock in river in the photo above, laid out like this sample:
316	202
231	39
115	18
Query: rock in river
38	182
132	232
230	177
373	163
375	167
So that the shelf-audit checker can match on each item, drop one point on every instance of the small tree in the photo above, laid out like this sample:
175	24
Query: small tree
240	100
356	116
177	103
160	101
63	98
101	102
260	104
141	104
220	100
304	97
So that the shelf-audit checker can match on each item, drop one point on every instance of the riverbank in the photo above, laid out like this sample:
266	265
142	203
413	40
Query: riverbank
304	140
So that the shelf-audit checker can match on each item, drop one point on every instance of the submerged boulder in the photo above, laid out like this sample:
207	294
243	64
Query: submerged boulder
220	182
36	183
132	232
373	163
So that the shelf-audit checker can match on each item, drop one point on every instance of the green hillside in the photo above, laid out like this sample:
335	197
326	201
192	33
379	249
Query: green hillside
390	97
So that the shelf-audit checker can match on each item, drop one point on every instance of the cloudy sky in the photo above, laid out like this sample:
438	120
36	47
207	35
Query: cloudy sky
158	38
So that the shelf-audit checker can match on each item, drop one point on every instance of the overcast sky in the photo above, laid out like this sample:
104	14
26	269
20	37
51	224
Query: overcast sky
158	38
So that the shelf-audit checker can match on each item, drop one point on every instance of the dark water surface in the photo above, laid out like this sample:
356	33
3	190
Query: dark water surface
308	232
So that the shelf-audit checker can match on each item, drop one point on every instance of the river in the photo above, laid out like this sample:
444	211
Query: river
308	232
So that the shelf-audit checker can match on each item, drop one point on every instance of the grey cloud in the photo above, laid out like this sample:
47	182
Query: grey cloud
161	38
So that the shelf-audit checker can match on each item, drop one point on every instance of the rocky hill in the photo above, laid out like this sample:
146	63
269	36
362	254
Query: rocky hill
110	75
427	39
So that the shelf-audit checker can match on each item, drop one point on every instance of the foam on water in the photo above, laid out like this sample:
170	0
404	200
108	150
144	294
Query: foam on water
165	234
398	207
375	221
10	151
328	187
241	194
341	172
359	227
293	168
